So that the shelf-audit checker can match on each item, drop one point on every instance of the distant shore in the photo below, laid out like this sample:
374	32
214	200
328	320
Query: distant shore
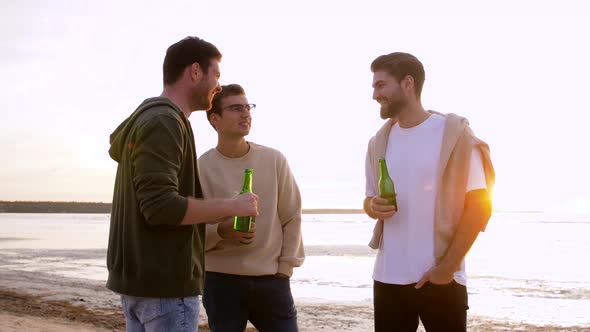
102	207
53	207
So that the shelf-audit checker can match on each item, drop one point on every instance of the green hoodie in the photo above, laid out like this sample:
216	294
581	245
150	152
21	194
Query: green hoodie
149	253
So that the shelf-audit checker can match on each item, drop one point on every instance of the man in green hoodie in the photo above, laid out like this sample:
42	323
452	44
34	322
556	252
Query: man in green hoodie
155	253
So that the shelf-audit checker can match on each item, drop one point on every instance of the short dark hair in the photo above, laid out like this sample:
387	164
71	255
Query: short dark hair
186	52
226	91
400	65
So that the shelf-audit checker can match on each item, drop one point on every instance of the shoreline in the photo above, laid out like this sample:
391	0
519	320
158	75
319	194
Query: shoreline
36	301
20	311
58	261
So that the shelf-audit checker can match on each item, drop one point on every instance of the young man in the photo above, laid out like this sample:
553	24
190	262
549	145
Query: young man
248	274
156	249
443	177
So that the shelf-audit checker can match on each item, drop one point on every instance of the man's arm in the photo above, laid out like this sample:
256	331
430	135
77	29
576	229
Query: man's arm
211	210
477	211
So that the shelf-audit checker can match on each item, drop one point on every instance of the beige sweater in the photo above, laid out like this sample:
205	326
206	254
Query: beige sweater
453	170
278	246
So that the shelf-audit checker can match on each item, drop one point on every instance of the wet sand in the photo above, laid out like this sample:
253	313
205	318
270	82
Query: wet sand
48	290
34	301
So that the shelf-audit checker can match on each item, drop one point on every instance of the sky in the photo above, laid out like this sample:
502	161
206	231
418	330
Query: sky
71	71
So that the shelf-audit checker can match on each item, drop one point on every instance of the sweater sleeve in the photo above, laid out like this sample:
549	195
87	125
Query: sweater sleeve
476	178
490	176
370	189
289	210
157	159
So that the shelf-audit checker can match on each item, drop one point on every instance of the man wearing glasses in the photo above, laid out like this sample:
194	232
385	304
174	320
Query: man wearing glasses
247	273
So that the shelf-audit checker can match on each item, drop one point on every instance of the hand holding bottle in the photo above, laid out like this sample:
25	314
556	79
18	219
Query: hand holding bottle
381	209
226	231
246	204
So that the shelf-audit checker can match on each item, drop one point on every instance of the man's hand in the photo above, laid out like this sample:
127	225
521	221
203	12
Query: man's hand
246	205
438	275
377	207
226	230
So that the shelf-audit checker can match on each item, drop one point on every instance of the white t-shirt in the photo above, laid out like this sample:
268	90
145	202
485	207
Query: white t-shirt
412	155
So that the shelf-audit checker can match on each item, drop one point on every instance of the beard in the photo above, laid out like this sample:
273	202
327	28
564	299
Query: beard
206	103
393	107
202	99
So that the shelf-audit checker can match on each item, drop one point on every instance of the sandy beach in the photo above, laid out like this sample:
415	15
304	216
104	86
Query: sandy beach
38	301
43	302
52	277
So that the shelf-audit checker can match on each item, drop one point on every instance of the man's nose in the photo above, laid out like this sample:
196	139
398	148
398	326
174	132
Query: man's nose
375	94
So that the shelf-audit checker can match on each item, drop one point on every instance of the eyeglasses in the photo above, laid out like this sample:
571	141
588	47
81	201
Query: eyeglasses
239	108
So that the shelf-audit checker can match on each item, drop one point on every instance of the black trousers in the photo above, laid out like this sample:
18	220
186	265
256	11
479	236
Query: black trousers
441	308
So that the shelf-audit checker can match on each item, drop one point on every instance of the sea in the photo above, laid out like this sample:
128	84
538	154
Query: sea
528	267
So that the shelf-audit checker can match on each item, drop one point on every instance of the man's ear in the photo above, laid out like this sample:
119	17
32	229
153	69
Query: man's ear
214	118
196	71
408	84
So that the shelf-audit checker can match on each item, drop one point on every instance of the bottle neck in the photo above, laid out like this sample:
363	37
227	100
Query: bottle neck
383	168
247	184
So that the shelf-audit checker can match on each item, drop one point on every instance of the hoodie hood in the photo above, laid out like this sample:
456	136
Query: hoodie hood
118	138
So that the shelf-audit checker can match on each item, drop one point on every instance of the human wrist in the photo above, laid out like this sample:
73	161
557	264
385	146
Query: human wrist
285	268
447	267
228	207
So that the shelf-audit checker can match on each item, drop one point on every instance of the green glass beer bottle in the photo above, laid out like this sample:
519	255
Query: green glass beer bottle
386	188
243	224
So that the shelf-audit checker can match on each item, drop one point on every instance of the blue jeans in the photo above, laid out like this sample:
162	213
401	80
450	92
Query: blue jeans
232	300
145	314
